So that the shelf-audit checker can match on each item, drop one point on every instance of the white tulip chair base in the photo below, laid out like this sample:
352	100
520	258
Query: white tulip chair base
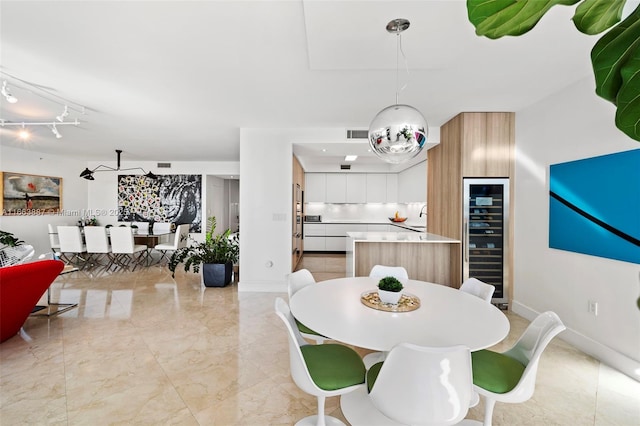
359	410
313	421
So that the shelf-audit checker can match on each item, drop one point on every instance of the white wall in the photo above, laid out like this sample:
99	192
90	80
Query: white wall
265	203
103	191
33	229
571	125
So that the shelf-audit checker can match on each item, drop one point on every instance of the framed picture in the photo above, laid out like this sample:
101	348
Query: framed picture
30	195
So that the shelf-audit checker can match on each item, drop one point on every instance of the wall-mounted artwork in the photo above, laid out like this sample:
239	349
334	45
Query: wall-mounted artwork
30	195
170	198
594	206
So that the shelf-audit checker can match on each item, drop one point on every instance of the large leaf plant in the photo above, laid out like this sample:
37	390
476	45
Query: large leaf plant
615	57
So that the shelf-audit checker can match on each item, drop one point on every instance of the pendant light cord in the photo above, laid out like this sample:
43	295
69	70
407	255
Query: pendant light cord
406	65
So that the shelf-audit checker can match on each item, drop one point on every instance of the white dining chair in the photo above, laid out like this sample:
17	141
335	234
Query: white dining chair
297	281
381	271
72	247
143	227
510	376
320	370
98	246
415	385
478	288
124	248
54	241
179	241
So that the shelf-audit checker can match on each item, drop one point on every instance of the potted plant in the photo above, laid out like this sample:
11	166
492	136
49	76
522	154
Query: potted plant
9	240
216	254
390	290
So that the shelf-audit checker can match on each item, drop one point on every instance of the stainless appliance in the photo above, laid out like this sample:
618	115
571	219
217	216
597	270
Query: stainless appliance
486	218
313	218
296	243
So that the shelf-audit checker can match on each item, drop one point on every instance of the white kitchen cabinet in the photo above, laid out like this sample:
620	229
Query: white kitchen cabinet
392	188
377	228
314	229
335	244
336	188
314	243
356	188
315	187
376	188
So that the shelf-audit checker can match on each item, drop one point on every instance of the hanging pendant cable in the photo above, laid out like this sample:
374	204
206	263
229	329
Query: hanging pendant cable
399	50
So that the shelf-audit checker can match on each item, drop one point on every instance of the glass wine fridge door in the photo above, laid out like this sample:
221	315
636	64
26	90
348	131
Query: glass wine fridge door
485	233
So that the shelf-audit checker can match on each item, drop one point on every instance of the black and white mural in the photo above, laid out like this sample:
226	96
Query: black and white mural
170	198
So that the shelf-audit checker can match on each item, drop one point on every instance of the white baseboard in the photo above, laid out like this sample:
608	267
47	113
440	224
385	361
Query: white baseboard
602	353
263	286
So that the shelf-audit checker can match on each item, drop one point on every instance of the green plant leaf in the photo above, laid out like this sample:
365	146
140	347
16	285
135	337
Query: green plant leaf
611	53
595	16
628	112
497	18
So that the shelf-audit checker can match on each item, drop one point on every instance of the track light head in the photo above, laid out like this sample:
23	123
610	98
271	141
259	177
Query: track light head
55	131
64	114
7	94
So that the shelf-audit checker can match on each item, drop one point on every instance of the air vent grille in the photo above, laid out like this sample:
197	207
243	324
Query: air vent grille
164	165
345	166
357	134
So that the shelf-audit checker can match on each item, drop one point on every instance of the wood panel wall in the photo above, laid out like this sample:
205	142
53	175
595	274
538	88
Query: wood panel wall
432	262
472	145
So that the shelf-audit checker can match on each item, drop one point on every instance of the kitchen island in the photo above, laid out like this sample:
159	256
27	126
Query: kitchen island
425	256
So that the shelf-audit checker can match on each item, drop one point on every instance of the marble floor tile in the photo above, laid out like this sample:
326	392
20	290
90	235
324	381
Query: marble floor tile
145	348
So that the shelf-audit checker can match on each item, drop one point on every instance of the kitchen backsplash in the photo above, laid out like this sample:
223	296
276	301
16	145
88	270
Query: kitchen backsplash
367	212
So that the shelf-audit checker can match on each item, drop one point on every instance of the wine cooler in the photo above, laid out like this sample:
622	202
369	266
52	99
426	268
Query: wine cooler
486	216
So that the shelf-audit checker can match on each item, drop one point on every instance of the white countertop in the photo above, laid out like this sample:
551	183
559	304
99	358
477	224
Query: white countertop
412	237
414	226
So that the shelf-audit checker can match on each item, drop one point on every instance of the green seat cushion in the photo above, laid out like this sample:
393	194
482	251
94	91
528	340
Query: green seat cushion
372	375
304	329
333	366
495	372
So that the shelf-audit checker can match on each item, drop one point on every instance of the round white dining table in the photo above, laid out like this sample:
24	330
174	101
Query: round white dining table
446	316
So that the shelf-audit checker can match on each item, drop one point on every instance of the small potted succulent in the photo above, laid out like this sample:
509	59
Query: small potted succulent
390	290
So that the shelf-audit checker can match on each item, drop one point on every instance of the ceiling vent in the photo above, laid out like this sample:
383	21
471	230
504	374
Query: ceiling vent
164	165
357	134
345	166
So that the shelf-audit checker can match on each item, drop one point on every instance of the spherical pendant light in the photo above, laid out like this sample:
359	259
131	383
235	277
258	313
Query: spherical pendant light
398	132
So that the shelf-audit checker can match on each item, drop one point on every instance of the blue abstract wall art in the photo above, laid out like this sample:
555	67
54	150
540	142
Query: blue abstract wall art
594	206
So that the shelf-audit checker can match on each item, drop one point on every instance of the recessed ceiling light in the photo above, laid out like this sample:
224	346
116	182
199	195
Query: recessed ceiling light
350	157
324	149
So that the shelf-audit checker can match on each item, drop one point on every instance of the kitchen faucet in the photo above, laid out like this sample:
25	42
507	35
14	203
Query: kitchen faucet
422	212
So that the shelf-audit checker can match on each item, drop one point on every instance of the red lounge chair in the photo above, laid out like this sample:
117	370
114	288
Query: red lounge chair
21	286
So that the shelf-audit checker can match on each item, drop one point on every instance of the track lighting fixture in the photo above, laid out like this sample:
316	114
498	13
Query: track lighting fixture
38	90
55	131
64	114
88	174
7	94
24	132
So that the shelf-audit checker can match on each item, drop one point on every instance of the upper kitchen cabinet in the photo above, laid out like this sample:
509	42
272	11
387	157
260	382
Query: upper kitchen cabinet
382	188
356	188
336	188
315	187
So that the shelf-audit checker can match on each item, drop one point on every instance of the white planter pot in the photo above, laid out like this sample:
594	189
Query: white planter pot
390	297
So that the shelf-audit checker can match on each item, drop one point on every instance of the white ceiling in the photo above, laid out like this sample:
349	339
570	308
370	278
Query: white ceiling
176	80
